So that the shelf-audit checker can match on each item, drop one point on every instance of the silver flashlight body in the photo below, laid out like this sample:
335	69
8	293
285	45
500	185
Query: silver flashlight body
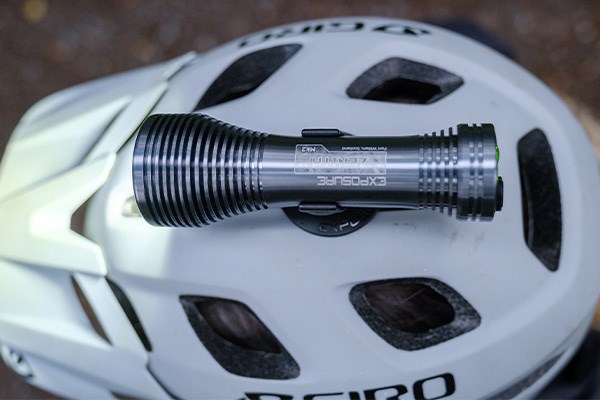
192	170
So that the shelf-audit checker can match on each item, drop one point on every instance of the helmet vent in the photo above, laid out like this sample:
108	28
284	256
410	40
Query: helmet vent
78	219
88	310
540	195
246	74
414	313
234	322
120	396
413	308
398	80
130	313
237	339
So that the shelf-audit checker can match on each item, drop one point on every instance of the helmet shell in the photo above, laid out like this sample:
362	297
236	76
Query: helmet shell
77	145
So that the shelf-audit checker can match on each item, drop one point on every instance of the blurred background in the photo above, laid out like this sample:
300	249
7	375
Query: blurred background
47	45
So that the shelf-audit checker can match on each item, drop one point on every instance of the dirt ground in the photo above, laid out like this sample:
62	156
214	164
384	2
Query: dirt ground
47	45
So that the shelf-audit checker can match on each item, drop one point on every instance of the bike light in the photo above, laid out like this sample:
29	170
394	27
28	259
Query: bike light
193	170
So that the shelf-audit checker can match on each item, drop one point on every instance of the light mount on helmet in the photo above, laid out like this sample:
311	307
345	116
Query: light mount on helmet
193	170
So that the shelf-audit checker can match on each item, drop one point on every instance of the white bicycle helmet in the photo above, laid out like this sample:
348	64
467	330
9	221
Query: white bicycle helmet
411	305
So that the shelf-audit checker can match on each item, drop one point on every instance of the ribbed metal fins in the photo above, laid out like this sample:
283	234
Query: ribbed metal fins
478	178
438	179
199	170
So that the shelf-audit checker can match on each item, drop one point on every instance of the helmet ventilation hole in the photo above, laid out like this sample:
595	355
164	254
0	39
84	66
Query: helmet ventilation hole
413	308
237	339
88	310
413	313
120	396
130	313
78	219
246	74
402	90
234	322
540	196
398	80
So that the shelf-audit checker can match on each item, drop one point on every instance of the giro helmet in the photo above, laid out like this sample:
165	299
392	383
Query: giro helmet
411	305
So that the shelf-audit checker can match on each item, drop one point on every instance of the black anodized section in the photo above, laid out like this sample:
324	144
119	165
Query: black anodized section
246	74
237	339
399	80
540	192
415	319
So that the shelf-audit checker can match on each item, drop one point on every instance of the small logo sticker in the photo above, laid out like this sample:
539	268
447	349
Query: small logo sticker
316	159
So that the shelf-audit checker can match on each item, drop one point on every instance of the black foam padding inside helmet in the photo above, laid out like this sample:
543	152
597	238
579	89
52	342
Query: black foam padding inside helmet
237	339
246	74
399	80
540	192
413	313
